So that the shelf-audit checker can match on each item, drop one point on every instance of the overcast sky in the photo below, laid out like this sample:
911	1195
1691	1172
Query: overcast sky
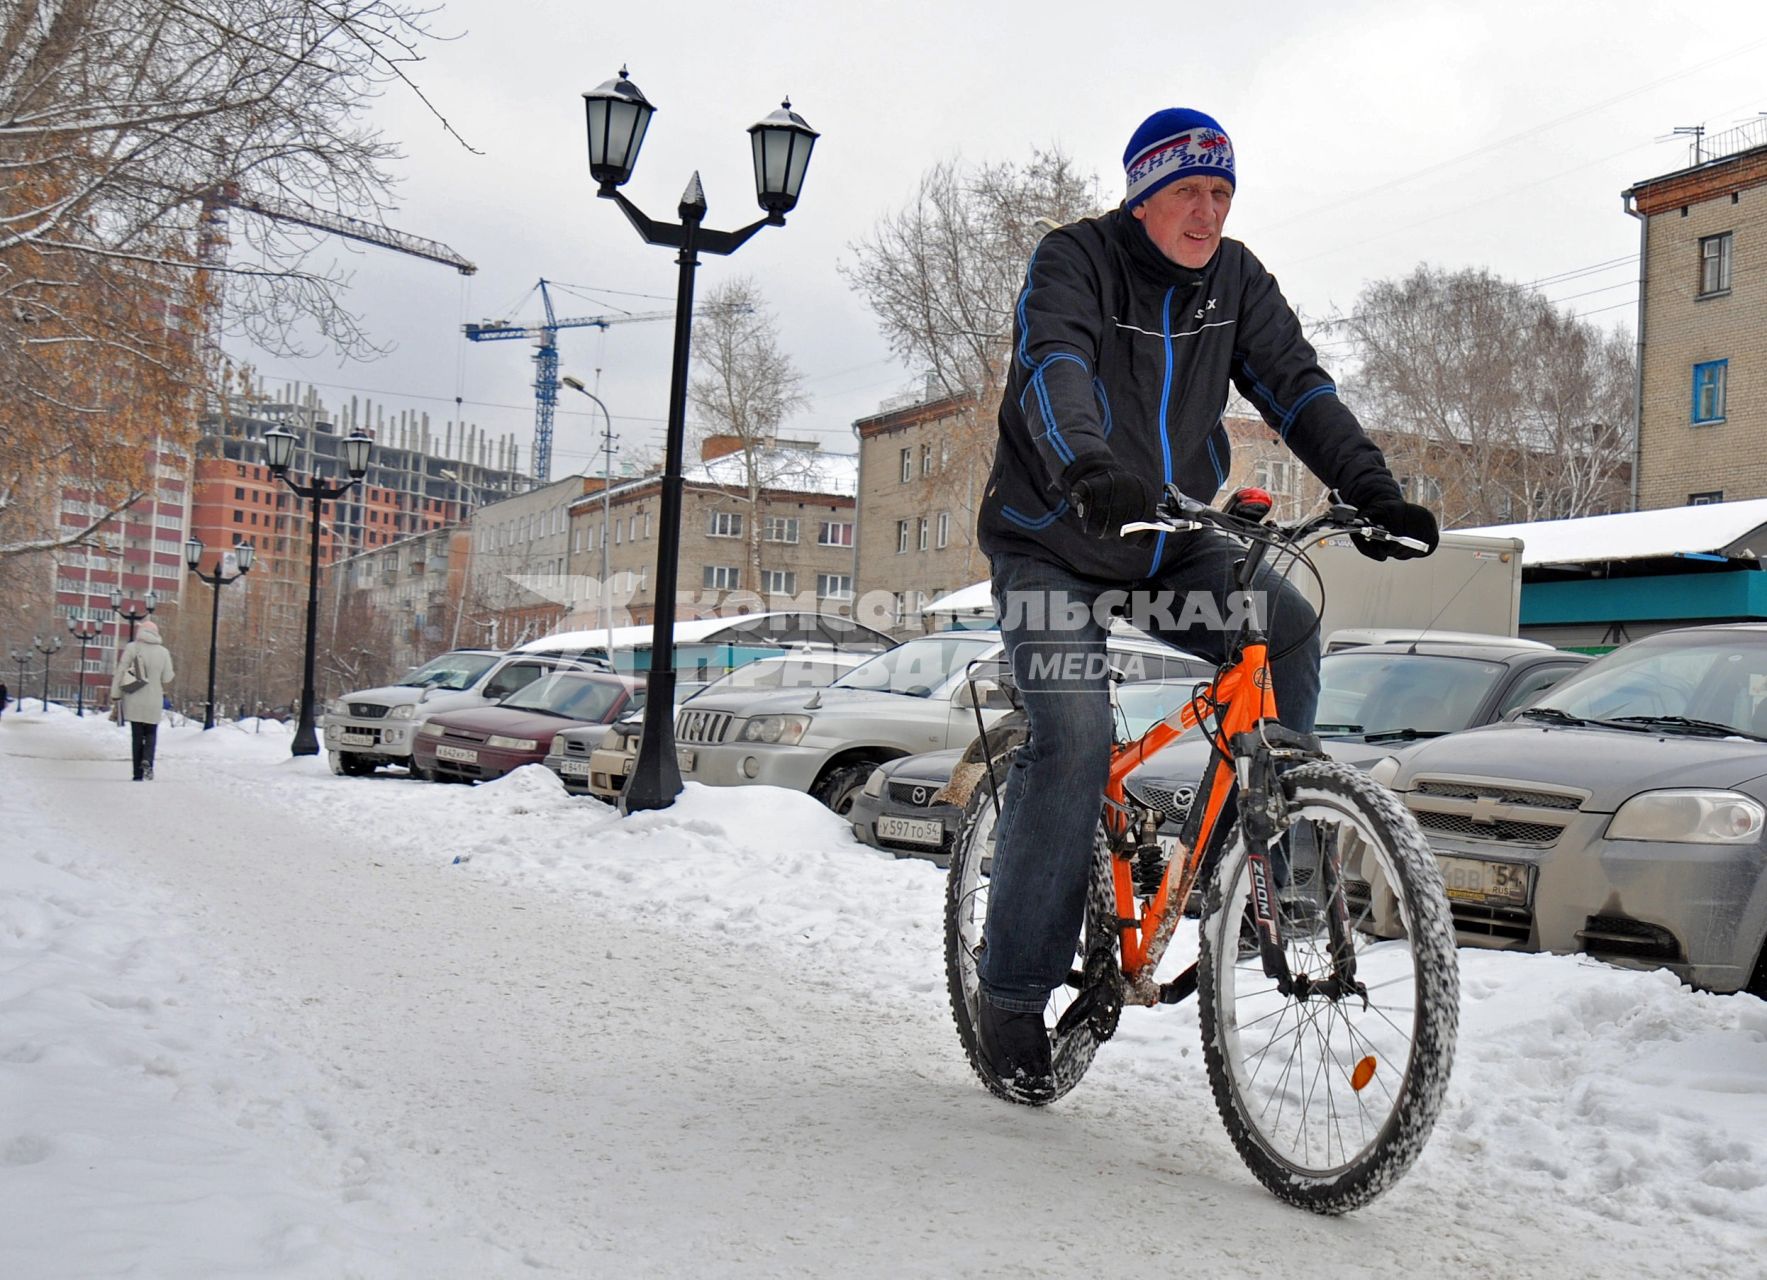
1370	136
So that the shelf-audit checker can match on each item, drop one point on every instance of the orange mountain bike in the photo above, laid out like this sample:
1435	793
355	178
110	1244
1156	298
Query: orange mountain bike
1327	984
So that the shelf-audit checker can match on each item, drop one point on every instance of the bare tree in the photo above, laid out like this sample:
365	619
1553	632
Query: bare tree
128	130
747	386
943	274
1512	409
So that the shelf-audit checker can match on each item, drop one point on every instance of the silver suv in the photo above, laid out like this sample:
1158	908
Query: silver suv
907	700
372	727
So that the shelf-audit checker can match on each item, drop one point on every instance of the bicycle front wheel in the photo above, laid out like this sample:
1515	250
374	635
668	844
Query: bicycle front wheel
1330	1092
966	912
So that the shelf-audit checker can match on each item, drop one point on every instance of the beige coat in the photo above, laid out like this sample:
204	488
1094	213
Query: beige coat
144	705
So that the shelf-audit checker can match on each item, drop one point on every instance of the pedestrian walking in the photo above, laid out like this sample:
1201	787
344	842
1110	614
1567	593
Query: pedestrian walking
144	669
3	697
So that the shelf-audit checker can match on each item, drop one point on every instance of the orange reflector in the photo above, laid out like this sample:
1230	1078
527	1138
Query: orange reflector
1363	1073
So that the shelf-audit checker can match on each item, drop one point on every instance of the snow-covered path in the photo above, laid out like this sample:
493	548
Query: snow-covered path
256	1020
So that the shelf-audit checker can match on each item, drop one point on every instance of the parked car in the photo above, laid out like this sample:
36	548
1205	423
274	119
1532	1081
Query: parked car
898	808
910	699
1382	700
595	761
374	727
1623	815
482	743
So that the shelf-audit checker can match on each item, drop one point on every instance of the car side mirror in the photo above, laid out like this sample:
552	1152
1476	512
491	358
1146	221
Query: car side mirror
427	690
986	694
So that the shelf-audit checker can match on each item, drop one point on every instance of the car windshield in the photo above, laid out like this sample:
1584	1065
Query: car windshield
780	673
1143	702
576	697
450	671
916	667
1721	679
1375	693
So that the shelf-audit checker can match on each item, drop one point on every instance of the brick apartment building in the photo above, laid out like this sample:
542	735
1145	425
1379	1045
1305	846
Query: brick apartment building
517	589
1702	408
807	521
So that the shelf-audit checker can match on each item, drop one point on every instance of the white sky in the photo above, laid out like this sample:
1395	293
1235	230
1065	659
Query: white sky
1370	136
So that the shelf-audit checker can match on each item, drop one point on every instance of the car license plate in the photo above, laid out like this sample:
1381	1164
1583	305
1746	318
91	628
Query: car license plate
574	768
1475	880
356	739
464	755
926	831
685	758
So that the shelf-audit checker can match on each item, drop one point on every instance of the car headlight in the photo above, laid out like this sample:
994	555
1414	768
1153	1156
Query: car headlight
1689	817
404	711
336	707
511	744
431	729
786	729
874	785
1384	770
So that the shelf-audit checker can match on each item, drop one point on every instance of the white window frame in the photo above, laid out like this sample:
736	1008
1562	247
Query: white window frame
779	582
834	586
901	537
722	524
775	529
926	533
907	465
722	577
842	531
943	538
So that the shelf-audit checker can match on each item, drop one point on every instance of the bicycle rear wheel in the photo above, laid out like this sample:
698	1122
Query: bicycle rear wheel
966	912
1330	1098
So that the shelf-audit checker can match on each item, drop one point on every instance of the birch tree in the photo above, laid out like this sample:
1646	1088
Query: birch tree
1514	409
746	387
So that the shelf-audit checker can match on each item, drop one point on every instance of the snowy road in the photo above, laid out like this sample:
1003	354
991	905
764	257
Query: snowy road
256	1020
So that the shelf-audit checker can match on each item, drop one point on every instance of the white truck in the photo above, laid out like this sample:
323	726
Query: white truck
1471	584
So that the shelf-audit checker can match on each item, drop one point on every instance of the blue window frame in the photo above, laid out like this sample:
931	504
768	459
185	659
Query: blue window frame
1708	390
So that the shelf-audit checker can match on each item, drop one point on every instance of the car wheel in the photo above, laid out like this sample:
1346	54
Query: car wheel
840	787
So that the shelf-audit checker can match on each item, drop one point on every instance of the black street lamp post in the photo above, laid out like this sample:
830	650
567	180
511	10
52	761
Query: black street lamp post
279	445
131	615
22	659
53	647
242	554
85	630
618	117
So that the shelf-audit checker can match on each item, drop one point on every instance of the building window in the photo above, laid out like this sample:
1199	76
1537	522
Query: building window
239	493
1421	489
835	533
779	582
834	586
780	529
722	524
617	527
926	533
722	577
944	537
1708	390
1276	475
907	465
1715	264
926	459
1705	499
901	537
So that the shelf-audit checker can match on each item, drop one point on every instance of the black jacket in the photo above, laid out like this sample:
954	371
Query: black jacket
1120	352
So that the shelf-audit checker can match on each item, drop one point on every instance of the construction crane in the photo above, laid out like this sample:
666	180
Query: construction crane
545	338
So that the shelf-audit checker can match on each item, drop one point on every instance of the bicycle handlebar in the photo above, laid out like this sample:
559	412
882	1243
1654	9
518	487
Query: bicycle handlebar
1180	512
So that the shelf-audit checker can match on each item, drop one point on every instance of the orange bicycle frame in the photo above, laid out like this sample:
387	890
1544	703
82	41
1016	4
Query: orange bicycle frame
1244	695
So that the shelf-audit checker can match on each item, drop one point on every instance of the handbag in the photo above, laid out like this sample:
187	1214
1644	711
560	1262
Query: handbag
132	677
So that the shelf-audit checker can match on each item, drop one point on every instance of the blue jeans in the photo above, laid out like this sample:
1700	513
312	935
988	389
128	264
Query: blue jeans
1055	788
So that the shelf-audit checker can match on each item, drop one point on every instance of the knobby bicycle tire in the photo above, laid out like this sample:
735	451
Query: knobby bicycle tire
965	914
1329	1101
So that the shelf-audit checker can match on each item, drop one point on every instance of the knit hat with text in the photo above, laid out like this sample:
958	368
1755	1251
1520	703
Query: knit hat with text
1171	144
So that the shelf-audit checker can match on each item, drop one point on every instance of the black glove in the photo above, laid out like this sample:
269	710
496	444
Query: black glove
1401	519
1106	495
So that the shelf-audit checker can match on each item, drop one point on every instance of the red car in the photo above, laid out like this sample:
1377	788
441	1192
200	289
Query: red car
482	743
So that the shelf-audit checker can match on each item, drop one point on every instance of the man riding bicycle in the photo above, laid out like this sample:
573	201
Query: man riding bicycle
1129	329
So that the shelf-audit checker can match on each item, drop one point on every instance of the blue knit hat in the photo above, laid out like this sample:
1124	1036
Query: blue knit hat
1172	144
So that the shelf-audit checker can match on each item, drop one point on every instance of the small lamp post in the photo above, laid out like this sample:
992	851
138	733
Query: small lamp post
242	556
618	118
131	615
607	487
85	630
22	659
47	650
279	445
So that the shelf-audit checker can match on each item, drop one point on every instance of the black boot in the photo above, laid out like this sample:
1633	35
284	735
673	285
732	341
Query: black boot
1015	1047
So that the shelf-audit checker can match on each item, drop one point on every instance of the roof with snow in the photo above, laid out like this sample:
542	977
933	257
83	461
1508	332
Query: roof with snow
782	470
1727	530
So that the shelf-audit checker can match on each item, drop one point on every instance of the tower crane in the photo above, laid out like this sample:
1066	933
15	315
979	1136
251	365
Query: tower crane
545	337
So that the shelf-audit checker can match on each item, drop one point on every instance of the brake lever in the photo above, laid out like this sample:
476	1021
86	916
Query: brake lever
1158	526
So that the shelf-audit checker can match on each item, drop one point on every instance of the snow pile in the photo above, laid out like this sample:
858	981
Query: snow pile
399	1028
